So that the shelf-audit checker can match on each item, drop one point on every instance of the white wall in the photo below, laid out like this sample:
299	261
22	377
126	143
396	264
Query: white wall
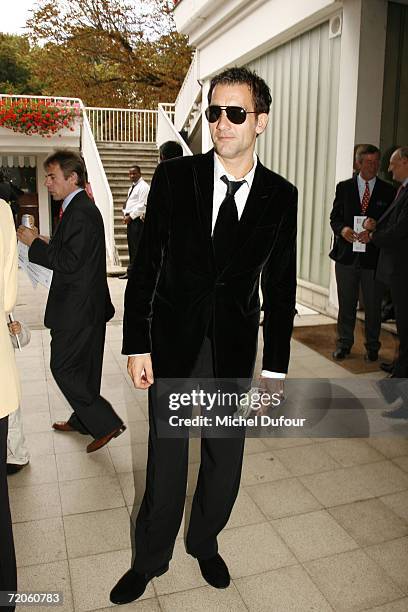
238	30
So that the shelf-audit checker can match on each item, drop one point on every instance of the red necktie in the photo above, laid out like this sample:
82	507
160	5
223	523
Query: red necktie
61	212
366	199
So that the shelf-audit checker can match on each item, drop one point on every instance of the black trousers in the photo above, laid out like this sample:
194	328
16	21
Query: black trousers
134	234
76	364
349	278
161	512
400	299
8	572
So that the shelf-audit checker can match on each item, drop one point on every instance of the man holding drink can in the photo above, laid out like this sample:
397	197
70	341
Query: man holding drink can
79	304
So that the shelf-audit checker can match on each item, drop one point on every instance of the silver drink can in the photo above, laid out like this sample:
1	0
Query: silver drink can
27	220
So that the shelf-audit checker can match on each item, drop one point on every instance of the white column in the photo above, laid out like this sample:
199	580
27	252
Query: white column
361	84
43	198
206	142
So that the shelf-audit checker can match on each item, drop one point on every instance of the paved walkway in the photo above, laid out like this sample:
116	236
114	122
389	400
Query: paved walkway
319	524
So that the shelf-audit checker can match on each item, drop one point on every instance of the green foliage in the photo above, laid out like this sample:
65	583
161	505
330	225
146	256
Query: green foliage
16	69
108	52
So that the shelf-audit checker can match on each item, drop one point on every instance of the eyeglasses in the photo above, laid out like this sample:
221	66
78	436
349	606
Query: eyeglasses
235	114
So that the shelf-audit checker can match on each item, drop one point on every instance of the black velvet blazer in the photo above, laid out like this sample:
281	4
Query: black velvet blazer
345	206
175	292
79	294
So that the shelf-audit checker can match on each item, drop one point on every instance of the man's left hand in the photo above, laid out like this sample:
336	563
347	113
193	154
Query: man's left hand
370	224
273	387
26	235
364	237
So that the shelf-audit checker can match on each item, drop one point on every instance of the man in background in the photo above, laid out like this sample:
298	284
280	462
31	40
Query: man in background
170	149
78	304
134	212
363	195
390	235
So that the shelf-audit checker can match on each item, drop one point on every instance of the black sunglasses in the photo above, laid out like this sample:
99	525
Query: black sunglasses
235	114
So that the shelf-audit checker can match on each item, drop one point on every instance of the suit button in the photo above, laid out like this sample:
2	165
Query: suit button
220	284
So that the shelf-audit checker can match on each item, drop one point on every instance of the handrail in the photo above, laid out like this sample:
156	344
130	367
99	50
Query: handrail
122	124
188	94
167	131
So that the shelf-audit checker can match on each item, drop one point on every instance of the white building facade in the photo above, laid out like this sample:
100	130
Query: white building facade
336	73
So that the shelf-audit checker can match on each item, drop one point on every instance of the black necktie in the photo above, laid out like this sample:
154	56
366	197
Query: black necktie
226	223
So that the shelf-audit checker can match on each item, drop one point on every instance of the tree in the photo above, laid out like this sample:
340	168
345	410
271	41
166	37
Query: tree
16	66
109	52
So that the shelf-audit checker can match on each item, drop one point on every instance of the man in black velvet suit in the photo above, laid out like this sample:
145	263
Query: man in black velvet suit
364	194
390	234
78	304
214	224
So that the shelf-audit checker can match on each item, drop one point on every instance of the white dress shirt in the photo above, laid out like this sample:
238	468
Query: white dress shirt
241	196
135	205
69	197
362	185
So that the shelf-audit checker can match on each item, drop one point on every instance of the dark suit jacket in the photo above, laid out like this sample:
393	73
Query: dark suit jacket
79	294
175	292
391	236
345	206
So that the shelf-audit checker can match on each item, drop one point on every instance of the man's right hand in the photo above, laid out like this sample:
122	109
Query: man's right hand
349	234
140	371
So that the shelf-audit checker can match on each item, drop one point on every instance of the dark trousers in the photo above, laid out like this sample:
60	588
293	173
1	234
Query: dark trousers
161	512
400	299
76	364
8	572
134	234
349	279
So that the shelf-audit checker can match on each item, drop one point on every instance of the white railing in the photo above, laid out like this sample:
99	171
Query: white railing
166	129
99	184
122	124
188	94
96	173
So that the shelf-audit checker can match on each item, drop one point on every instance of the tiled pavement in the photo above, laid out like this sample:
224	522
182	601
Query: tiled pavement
319	524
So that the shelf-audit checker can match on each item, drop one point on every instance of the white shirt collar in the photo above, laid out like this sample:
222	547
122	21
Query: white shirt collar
220	171
69	197
362	181
405	183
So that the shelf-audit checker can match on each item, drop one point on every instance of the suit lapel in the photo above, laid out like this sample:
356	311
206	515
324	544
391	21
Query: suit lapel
256	203
392	206
356	197
67	214
203	175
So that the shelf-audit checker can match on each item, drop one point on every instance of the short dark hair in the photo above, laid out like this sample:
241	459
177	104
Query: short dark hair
260	91
69	161
365	149
170	149
135	167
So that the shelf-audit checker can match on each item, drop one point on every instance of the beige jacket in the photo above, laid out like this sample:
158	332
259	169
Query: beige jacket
9	381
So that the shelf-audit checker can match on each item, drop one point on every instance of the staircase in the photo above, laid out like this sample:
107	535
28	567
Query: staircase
117	157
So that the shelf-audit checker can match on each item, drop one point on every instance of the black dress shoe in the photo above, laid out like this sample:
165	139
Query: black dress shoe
132	585
388	367
341	353
371	356
398	413
14	468
215	572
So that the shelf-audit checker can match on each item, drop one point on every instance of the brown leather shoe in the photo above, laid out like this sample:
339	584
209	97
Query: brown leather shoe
63	426
97	444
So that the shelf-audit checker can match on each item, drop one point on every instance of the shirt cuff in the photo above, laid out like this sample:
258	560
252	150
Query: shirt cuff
138	354
268	374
